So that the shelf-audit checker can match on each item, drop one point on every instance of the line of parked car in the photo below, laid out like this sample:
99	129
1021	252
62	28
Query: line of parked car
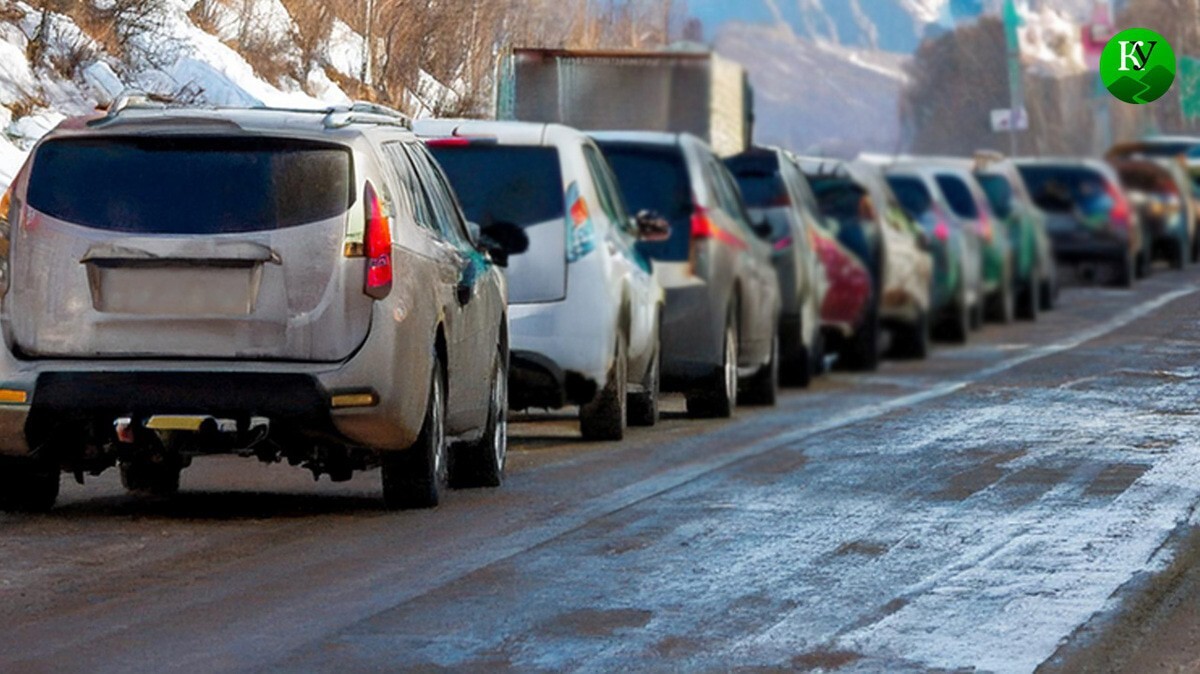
343	291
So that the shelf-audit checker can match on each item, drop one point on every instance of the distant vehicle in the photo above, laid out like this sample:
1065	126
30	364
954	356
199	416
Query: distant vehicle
1036	273
970	204
1159	190
1185	150
279	284
584	304
723	305
782	210
1088	216
676	91
858	205
957	296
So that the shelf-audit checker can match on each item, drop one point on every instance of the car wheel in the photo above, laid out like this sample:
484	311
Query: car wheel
151	477
861	352
481	463
1141	267
912	341
1179	254
1046	299
417	477
720	402
28	486
817	354
1124	272
605	417
763	388
1001	306
643	405
1030	301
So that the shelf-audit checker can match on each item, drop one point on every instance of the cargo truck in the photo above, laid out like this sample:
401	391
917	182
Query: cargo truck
678	91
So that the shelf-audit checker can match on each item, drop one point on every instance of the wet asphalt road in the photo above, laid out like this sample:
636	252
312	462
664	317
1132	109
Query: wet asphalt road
971	511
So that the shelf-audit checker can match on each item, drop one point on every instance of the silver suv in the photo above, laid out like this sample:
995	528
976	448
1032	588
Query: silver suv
280	284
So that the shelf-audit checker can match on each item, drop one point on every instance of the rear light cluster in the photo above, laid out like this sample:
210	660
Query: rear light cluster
581	233
1121	213
377	246
9	217
703	227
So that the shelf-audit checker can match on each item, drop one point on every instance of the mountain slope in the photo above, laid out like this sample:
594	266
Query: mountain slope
818	98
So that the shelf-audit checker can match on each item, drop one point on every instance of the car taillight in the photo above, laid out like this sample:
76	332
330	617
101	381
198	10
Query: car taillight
9	217
941	231
581	233
1121	212
985	227
702	225
377	246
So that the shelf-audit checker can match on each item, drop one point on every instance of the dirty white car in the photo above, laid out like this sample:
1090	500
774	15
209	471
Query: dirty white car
280	284
584	302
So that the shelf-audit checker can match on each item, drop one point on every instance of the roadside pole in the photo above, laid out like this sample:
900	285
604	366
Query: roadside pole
1016	85
1096	35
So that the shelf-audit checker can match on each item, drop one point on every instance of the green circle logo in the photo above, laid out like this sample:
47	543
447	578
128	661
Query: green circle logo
1138	66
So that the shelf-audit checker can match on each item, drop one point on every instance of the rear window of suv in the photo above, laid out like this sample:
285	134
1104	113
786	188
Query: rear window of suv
520	186
759	178
654	178
190	185
1059	188
959	196
913	195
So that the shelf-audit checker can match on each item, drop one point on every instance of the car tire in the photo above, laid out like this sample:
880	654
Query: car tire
798	369
912	341
643	405
1047	296
1001	306
1141	267
861	352
1179	255
720	401
1030	301
143	476
762	390
605	418
1124	272
480	464
417	477
28	486
956	328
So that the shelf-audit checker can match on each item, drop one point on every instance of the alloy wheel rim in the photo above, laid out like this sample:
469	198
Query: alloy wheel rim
500	404
730	365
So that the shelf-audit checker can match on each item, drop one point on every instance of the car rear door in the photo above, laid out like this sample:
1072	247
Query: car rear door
189	246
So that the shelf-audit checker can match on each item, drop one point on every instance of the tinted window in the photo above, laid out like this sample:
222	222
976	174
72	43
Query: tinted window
412	194
1061	188
959	197
606	190
655	179
913	195
838	198
759	177
518	185
999	193
186	185
441	196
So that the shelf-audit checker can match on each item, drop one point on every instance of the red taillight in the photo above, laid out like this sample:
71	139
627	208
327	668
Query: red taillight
702	225
377	246
941	231
985	227
1121	211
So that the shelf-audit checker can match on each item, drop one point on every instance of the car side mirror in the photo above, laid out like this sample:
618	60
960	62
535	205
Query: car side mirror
763	229
652	227
924	242
501	241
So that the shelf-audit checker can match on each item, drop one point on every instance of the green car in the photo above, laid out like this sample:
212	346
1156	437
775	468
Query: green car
1034	277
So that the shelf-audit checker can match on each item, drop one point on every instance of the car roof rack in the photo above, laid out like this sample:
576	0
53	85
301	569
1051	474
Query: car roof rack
365	112
335	116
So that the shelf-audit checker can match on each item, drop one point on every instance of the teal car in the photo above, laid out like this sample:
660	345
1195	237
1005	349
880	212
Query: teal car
1034	278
